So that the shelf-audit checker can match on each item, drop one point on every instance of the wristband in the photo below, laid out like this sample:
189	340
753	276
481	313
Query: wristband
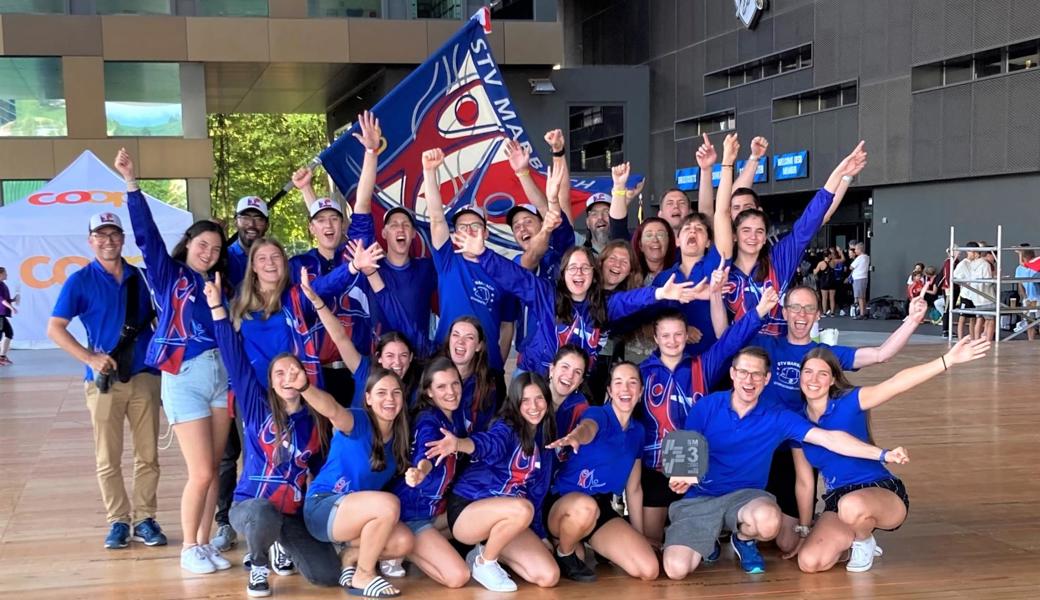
317	308
846	178
943	358
802	531
561	153
130	182
884	453
619	193
216	307
521	172
730	166
370	150
305	387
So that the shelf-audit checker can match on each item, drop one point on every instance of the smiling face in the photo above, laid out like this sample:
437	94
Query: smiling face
282	372
203	251
327	229
463	343
107	243
533	405
751	235
674	208
750	376
625	388
252	225
670	337
693	239
801	312
445	390
386	399
399	233
653	241
269	265
597	219
395	356
617	266
566	374
816	379
577	274
525	225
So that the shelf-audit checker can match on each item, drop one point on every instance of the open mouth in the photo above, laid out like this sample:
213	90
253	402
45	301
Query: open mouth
458	352
748	390
812	387
534	416
400	238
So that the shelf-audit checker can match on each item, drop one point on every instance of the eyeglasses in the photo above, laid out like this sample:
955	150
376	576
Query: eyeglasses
115	236
807	309
250	219
583	269
655	235
474	227
756	376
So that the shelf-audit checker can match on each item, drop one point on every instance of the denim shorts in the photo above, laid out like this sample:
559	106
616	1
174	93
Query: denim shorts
197	391
319	512
419	525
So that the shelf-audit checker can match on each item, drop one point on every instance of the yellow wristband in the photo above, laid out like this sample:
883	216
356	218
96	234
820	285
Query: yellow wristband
619	192
521	172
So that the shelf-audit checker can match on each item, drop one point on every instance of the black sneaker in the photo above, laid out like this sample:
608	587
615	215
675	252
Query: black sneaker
258	586
281	562
574	568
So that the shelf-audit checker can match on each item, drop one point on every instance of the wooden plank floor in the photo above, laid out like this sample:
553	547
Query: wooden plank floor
973	529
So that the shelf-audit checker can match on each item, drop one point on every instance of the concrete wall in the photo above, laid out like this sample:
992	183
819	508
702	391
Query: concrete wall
912	222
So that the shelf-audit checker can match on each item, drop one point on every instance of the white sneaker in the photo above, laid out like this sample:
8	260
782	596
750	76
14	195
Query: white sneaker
489	574
393	567
863	553
196	560
219	562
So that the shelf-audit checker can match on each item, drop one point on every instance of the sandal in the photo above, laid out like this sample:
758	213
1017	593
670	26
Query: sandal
377	588
346	576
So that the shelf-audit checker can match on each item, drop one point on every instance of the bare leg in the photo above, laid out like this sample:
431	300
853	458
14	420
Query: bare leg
787	540
680	561
829	539
653	523
220	423
438	559
529	558
759	520
624	547
196	443
368	520
869	508
571	519
497	520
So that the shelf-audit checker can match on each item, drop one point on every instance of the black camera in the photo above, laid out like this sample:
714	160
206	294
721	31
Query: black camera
103	381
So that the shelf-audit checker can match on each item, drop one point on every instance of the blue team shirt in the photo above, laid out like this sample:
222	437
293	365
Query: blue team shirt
477	420
263	339
740	450
347	469
99	301
844	414
560	240
785	381
416	282
429	499
603	465
698	312
570	412
238	259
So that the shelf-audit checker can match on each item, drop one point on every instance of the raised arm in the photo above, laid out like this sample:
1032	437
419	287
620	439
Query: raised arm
582	435
723	220
506	274
619	194
746	179
250	394
562	196
706	157
160	267
717	303
850	166
370	137
302	180
716	358
866	357
842	443
966	350
431	162
333	327
539	245
520	161
320	400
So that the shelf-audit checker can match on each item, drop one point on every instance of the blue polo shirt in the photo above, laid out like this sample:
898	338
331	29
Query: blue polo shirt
786	380
415	284
238	258
570	413
698	312
844	414
263	339
603	465
347	469
93	295
740	449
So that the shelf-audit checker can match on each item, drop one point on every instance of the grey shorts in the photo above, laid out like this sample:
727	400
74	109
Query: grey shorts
697	522
859	288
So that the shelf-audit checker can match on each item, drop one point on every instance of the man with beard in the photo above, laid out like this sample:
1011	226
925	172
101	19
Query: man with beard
597	221
251	220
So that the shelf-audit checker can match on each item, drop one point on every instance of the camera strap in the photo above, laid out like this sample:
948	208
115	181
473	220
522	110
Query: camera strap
123	353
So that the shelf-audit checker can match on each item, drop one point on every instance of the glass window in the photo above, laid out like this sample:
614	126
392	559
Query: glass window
785	108
143	99
32	98
1022	56
957	70
848	95
171	191
805	56
134	7
13	190
808	104
597	137
830	99
926	77
438	9
714	83
48	7
770	67
754	72
513	9
989	63
231	8
788	61
345	8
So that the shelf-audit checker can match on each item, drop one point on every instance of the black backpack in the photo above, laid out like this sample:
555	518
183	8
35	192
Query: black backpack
887	307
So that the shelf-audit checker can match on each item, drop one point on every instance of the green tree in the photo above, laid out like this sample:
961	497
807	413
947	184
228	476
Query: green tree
255	155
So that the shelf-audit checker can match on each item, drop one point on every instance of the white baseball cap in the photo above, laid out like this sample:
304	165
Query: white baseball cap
324	203
251	202
105	219
597	198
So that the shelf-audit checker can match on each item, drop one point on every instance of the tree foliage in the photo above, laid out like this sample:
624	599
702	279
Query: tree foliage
255	155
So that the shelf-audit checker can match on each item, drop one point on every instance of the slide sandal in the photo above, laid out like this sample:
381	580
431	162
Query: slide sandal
377	588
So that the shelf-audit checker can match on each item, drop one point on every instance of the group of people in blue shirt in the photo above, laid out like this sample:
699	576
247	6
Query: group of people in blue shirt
372	433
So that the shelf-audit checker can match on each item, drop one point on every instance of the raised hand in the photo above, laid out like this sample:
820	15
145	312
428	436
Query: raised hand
693	335
305	285
365	259
212	290
432	159
554	137
447	445
295	380
897	456
706	156
414	476
719	278
767	302
124	164
371	136
852	164
632	193
619	173
967	350
759	145
468	243
553	219
553	183
302	178
730	148
918	306
567	440
519	156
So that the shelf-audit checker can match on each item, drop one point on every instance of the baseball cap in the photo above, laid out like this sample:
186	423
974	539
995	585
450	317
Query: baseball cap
470	208
399	209
521	208
322	204
105	219
597	198
251	202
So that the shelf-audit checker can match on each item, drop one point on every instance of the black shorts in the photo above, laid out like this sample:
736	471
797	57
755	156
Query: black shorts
965	304
456	504
893	484
5	328
604	502
656	493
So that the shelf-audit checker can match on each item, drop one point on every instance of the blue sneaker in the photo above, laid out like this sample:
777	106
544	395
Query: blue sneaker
118	536
715	552
149	532
747	551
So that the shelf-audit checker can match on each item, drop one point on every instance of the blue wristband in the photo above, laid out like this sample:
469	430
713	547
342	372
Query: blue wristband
884	452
